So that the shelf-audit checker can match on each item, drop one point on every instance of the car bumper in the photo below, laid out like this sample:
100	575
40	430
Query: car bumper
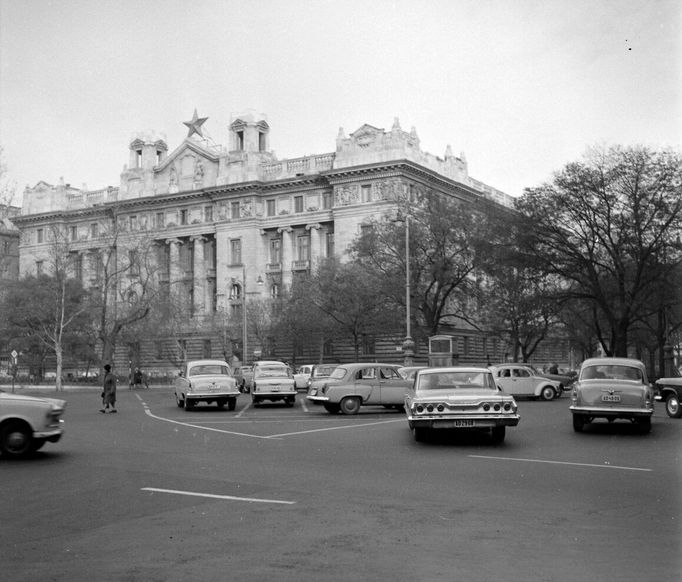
273	394
52	435
611	412
317	399
211	395
469	421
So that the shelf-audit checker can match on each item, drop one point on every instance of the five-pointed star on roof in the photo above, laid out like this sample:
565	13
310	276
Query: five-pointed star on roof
195	124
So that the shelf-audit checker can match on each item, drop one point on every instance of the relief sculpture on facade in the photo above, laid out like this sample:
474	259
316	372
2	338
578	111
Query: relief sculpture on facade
346	195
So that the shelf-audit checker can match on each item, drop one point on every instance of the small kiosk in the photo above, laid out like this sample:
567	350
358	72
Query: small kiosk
442	351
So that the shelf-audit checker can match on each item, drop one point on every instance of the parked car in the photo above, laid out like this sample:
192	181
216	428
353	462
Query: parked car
318	376
28	422
522	380
565	380
670	392
244	377
206	381
301	376
273	381
351	386
459	398
409	372
612	388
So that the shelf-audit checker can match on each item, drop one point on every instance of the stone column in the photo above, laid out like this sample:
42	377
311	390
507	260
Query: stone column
315	243
175	273
287	254
199	281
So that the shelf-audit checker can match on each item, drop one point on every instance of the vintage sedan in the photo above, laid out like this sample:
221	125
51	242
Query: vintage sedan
318	376
612	388
351	386
302	375
459	398
670	392
28	422
522	380
206	381
273	381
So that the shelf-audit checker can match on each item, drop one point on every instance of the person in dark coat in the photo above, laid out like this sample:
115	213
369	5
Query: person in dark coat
108	391
139	379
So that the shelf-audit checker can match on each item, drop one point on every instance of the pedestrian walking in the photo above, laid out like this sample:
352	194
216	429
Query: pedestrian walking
108	391
139	378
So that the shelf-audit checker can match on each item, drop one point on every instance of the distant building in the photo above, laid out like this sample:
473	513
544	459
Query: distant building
213	212
9	244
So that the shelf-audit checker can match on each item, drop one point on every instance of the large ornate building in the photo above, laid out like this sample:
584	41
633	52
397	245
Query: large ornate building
224	217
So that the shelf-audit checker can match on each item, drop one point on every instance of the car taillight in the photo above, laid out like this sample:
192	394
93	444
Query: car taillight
497	407
507	406
419	408
440	408
486	407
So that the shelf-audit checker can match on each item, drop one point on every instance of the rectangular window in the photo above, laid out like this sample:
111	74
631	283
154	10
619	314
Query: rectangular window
240	141
275	250
39	268
367	193
74	233
234	210
327	200
303	248
39	235
94	230
236	251
329	244
133	223
208	214
271	207
261	141
134	262
183	217
160	219
298	203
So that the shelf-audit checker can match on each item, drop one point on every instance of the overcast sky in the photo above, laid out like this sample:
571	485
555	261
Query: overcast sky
522	87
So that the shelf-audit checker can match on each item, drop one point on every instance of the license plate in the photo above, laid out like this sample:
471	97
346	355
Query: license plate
610	398
458	423
452	423
275	388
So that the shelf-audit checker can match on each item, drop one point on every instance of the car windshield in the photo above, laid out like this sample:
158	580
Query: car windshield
209	370
272	371
323	371
338	373
455	380
612	372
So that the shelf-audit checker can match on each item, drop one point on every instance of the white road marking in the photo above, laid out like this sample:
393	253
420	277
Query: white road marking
285	434
212	496
253	436
243	410
561	463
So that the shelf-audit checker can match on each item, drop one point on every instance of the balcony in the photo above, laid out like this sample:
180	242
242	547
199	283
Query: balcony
300	265
273	268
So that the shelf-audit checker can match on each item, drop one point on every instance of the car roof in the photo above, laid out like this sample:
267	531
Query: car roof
610	361
451	369
205	362
269	363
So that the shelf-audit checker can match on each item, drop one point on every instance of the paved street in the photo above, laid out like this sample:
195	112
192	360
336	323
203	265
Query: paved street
276	493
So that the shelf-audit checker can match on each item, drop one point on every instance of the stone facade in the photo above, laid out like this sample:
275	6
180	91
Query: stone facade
213	214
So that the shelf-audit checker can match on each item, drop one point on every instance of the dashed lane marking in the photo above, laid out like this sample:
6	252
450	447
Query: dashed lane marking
213	496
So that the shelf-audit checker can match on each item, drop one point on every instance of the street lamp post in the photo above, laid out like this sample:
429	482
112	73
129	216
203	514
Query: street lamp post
408	342
245	353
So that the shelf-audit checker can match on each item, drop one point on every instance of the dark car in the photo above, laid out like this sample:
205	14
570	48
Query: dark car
670	392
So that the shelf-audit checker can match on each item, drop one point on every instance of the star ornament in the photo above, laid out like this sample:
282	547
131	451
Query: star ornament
195	125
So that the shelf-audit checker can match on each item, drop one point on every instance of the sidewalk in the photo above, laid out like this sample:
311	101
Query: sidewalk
19	388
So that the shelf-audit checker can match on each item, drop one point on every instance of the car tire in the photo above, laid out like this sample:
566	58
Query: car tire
644	424
189	405
578	423
332	408
547	393
672	406
254	399
231	403
350	405
498	433
16	439
179	402
420	434
220	404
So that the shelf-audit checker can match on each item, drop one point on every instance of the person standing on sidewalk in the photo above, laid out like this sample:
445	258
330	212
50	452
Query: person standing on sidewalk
139	379
108	391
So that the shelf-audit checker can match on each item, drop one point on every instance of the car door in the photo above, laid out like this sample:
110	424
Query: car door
392	385
521	382
367	384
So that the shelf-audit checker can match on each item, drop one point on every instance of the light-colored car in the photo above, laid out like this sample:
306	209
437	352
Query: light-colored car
318	376
612	388
302	375
273	380
459	398
521	380
409	372
206	381
28	422
670	392
351	386
244	377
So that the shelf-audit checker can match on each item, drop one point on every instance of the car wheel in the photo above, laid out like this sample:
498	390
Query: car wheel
644	425
220	404
420	434
16	439
672	406
350	405
231	403
290	401
255	399
498	433
547	393
332	408
189	405
578	423
179	401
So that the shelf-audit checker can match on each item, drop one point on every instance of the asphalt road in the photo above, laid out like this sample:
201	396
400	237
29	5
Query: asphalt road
276	493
